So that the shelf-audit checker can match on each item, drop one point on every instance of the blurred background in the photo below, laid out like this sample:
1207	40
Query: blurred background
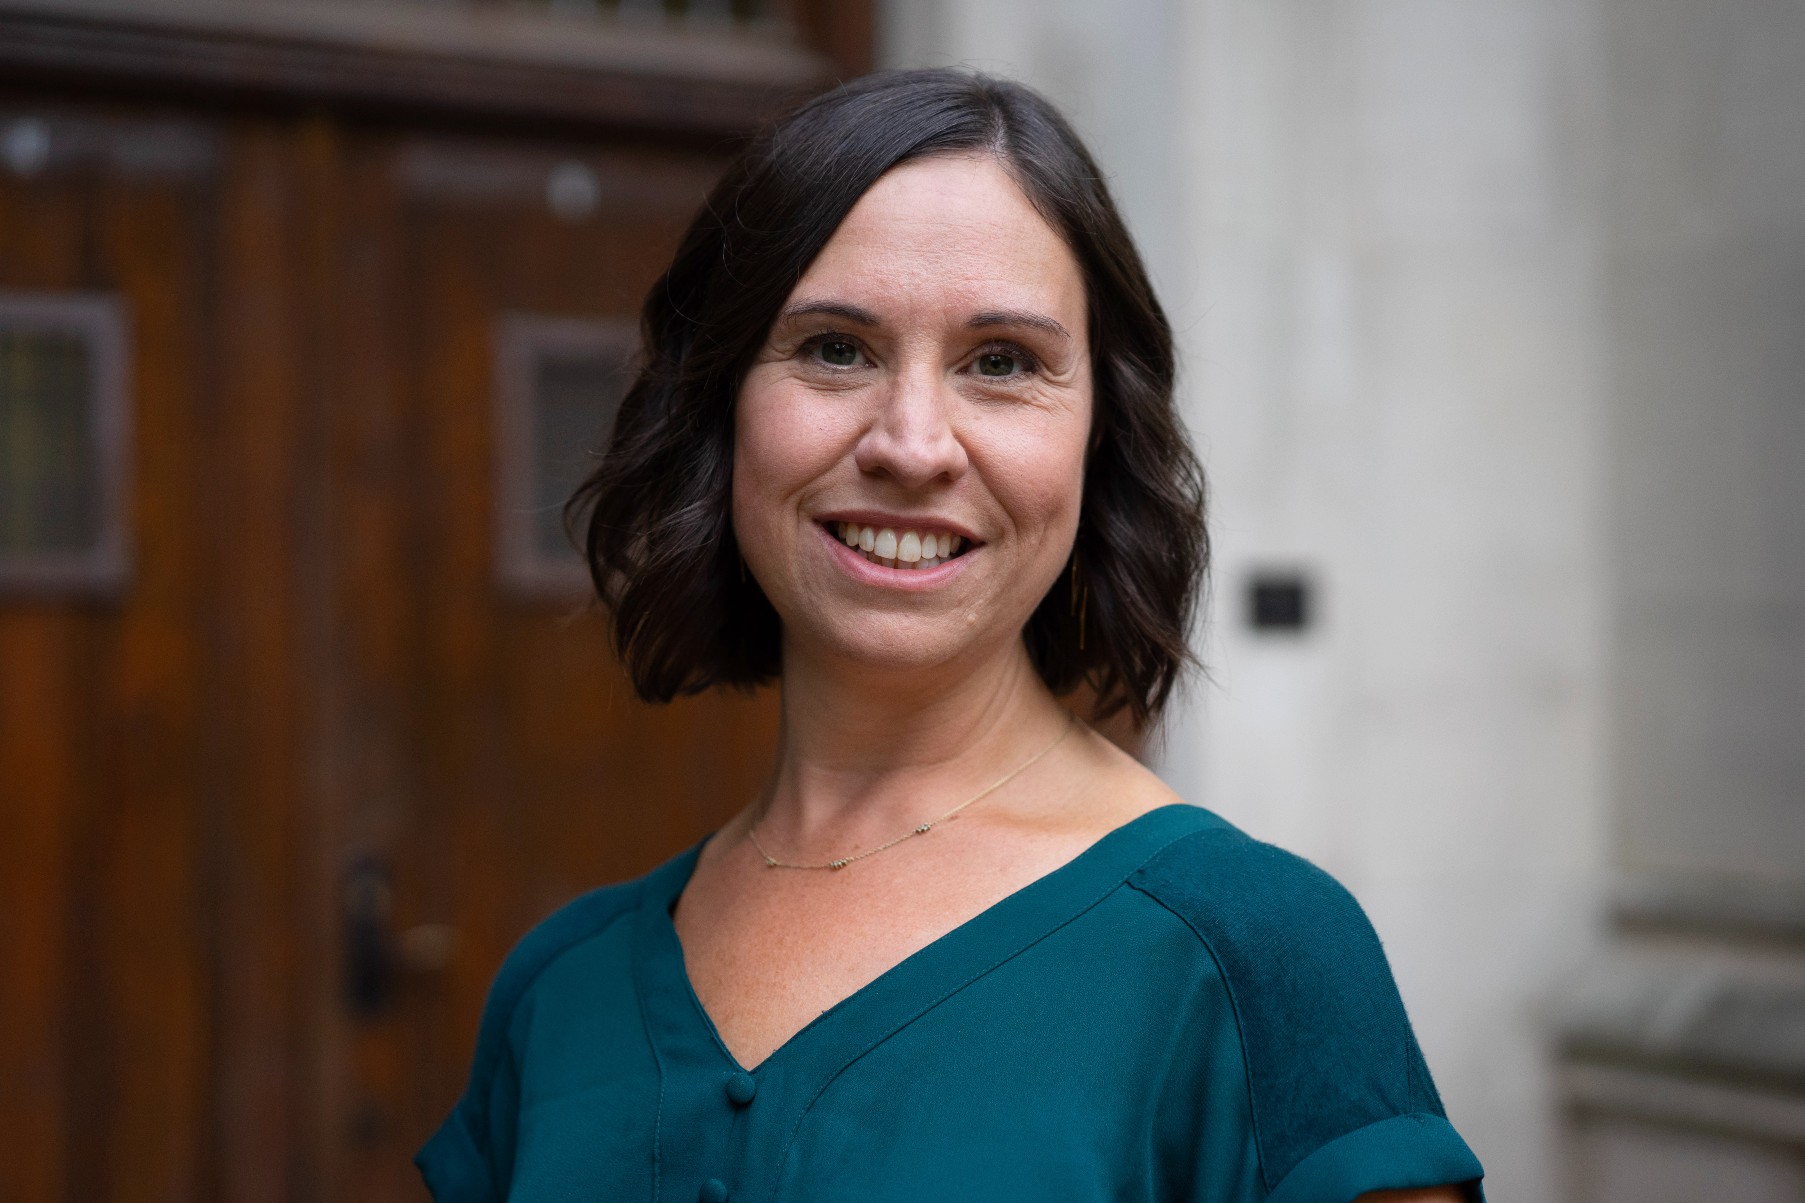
1493	317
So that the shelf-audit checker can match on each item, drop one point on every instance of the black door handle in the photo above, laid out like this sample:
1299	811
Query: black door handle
369	976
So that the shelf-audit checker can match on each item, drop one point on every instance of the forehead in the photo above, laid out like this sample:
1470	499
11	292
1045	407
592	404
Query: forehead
951	230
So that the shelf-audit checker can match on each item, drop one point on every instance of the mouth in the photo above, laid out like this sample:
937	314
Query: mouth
906	548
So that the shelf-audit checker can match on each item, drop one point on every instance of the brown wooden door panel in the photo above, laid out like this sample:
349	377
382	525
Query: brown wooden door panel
43	714
311	666
105	1007
265	622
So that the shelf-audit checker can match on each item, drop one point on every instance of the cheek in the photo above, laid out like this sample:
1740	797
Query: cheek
777	451
1041	480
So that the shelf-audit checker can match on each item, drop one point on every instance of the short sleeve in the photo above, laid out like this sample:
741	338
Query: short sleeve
455	1163
470	1158
1404	1151
1340	1098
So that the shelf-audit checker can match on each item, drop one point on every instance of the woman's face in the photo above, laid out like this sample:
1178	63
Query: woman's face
909	444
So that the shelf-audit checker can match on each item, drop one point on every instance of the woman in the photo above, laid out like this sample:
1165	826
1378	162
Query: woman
906	442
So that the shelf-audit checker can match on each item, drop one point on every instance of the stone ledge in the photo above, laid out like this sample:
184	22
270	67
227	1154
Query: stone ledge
1735	909
1685	1103
1686	1013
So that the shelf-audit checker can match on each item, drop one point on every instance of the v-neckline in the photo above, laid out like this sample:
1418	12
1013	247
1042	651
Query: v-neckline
914	984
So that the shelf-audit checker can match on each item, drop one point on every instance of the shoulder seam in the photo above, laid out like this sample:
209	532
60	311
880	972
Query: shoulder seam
1234	1002
1304	969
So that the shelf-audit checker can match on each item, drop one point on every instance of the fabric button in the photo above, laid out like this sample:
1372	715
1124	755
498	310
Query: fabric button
740	1088
713	1191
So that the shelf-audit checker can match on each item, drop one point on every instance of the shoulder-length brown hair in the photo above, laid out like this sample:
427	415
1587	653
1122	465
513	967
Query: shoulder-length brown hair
655	515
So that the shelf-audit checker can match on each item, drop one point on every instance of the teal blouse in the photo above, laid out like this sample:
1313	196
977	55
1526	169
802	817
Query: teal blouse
1180	1013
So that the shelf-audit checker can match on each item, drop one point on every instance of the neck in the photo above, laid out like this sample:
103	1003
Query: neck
863	755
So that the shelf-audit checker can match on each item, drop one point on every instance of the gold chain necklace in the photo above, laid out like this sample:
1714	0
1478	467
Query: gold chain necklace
771	862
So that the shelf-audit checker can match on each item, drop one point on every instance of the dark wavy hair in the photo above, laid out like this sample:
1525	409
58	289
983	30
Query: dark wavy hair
654	518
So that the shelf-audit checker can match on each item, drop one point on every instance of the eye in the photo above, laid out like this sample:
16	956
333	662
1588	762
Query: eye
1002	364
838	352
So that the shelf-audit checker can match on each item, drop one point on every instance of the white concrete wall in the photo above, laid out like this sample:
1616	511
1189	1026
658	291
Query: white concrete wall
1375	224
1704	284
1706	287
1397	378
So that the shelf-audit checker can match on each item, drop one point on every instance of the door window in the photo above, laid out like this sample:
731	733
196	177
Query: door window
559	383
62	418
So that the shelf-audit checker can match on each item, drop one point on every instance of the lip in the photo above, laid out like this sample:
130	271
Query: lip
908	580
899	523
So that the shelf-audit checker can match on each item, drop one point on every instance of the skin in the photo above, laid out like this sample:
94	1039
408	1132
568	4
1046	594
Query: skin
932	366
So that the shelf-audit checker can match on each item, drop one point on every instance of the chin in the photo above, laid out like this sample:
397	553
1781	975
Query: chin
906	645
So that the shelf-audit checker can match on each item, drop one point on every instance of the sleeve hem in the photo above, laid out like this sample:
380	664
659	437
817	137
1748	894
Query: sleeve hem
453	1167
1404	1152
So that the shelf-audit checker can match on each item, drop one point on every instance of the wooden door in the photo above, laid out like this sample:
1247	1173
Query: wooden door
491	753
274	805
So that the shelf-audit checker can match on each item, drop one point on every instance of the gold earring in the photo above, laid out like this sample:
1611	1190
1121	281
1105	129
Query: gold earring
1081	600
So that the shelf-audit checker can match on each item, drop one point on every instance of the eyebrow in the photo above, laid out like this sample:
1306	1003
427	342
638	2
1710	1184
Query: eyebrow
1018	317
979	321
852	313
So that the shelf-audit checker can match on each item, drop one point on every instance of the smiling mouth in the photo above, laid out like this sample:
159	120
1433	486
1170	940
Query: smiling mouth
910	548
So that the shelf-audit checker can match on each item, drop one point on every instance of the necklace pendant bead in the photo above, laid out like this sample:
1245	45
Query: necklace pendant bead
770	862
837	864
924	829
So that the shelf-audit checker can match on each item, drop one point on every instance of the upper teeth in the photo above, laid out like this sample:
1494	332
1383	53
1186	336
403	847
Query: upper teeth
909	548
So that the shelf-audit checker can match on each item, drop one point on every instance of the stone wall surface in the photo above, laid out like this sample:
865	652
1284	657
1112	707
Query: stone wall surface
1684	1045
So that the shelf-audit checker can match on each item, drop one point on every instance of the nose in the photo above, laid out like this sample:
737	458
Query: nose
911	438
